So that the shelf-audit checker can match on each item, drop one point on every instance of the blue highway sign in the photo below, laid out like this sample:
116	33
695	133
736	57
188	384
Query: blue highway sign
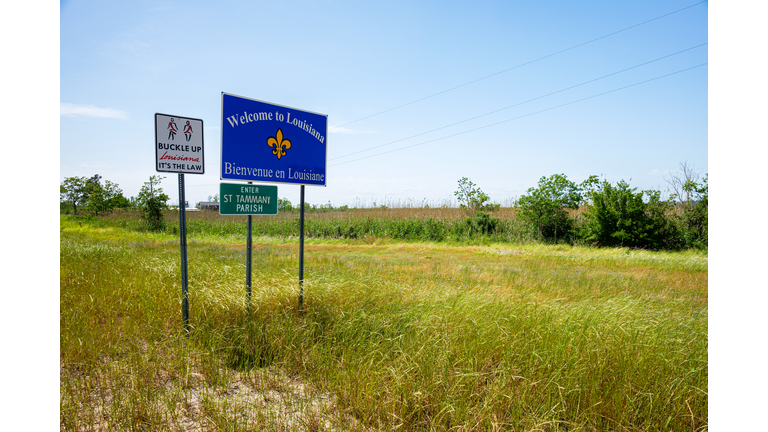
263	142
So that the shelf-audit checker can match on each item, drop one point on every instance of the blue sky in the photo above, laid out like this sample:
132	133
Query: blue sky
122	62
90	76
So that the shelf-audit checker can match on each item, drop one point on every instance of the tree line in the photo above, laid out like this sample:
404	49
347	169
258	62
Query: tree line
558	210
90	196
612	214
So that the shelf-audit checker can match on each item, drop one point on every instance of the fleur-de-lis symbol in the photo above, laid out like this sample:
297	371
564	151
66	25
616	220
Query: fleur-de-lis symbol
279	144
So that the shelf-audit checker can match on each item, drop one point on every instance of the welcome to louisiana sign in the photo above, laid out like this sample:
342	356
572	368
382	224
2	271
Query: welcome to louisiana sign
264	142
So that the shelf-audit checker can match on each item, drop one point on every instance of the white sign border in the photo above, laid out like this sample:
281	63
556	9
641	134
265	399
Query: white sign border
202	143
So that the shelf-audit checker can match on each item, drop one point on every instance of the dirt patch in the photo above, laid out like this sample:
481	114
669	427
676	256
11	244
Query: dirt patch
266	399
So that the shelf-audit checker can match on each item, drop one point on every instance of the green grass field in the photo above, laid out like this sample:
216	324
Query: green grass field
395	336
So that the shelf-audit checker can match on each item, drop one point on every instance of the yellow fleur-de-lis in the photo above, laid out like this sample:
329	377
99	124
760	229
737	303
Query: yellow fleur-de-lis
280	145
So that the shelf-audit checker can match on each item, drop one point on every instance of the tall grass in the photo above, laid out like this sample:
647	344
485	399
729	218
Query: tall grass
421	224
408	336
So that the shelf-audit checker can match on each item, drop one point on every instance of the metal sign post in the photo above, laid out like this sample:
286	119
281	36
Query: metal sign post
179	149
301	252
248	256
183	246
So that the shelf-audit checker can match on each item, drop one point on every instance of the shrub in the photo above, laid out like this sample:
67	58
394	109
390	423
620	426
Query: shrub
434	230
619	216
486	224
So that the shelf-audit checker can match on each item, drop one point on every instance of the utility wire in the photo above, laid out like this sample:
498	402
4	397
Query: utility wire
526	115
520	65
520	103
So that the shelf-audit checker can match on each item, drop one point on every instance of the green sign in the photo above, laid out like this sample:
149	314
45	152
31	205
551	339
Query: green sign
247	199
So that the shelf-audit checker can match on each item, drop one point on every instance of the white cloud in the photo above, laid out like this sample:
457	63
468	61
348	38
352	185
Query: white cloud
71	110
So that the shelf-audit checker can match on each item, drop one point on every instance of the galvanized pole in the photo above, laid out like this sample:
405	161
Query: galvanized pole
183	245
248	260
301	252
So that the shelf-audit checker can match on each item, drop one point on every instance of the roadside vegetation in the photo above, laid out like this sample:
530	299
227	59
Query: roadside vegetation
556	211
480	317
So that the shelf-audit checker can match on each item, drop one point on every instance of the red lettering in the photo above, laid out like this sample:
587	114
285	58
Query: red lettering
178	158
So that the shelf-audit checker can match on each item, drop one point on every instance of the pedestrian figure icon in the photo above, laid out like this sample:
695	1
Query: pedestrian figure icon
188	130
173	129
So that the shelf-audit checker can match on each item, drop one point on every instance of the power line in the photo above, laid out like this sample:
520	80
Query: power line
526	115
520	65
521	103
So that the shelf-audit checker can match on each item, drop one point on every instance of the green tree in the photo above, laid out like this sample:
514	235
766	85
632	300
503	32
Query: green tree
74	191
695	216
284	204
546	206
152	201
471	197
104	198
682	185
691	198
122	202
